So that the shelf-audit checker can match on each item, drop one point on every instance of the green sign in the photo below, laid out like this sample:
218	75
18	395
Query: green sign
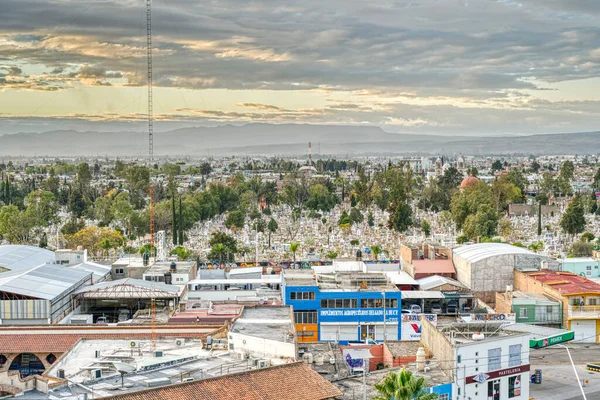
550	340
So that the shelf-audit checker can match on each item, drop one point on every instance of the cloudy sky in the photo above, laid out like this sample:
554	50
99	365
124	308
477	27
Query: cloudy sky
482	67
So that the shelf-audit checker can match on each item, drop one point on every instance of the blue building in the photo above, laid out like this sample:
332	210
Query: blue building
342	306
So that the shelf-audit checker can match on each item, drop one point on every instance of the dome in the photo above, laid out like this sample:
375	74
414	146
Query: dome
468	181
460	160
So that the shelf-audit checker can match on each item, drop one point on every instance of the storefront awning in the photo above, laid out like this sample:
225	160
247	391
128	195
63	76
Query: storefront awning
542	336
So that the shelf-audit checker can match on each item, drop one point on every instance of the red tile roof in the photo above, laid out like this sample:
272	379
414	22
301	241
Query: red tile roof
565	282
433	267
295	381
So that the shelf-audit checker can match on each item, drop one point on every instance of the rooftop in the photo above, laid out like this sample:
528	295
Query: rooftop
461	332
566	283
434	267
299	277
18	257
517	294
165	266
355	281
477	252
275	323
130	287
99	271
46	281
434	281
275	383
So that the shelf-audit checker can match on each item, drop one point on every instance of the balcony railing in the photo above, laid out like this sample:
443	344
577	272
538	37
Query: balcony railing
584	312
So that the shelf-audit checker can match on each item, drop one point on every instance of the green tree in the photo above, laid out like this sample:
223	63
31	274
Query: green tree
83	179
205	169
344	219
122	210
235	220
587	237
15	225
426	227
497	165
466	202
581	249
355	216
137	182
376	250
332	255
504	193
103	210
294	246
370	219
272	227
573	220
42	208
403	385
223	247
484	223
182	253
363	189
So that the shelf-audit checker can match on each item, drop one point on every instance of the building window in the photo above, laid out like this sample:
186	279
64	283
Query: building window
444	396
391	303
514	355
523	312
592	302
339	303
119	271
514	386
302	295
305	317
494	359
549	309
588	268
371	303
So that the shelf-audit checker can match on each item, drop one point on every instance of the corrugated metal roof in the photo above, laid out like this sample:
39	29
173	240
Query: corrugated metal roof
157	286
431	282
422	294
477	252
45	281
99	271
18	257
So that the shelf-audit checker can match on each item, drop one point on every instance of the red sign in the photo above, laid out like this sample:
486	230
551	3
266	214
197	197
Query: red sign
484	376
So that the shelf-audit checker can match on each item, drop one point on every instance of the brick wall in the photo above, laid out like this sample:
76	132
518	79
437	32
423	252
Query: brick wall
503	304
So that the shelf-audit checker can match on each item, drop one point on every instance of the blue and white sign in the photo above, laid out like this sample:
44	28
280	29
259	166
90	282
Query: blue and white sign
357	314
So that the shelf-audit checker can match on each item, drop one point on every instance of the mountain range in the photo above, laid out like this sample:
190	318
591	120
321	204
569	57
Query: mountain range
290	139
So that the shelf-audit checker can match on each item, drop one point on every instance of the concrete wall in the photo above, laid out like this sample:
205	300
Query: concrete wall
503	304
438	345
525	209
262	348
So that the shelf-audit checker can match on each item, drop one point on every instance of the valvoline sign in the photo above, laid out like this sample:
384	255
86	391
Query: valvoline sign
411	325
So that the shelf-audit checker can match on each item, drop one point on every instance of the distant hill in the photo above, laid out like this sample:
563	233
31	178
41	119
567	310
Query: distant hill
267	139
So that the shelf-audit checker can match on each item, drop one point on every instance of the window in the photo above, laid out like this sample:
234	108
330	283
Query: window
494	359
119	271
523	312
514	386
371	303
592	302
549	309
458	359
514	355
305	317
391	303
444	396
339	303
302	295
588	268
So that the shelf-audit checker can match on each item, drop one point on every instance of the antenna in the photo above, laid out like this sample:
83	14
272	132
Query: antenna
309	154
151	156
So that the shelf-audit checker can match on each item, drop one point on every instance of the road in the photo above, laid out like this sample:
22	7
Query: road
558	379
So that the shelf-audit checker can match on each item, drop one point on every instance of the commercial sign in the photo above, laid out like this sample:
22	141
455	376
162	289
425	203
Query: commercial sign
411	325
355	357
492	317
482	377
550	340
357	314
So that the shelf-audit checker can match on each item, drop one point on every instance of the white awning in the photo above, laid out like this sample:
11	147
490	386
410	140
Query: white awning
421	294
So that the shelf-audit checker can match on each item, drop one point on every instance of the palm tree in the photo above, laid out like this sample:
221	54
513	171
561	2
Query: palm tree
403	385
293	248
376	250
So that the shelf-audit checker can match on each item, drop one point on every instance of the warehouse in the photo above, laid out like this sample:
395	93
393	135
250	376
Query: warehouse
487	268
39	295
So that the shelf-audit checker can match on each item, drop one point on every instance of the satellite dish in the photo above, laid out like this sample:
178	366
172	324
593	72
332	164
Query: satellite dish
124	368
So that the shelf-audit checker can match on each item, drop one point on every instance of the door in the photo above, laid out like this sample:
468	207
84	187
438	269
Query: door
494	390
367	331
585	330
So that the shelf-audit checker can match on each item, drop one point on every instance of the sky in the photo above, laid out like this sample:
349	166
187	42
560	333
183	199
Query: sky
449	67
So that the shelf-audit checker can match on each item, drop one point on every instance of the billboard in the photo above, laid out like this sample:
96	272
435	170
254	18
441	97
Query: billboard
411	325
357	315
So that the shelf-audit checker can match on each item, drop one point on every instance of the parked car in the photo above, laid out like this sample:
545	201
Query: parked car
408	312
102	320
123	315
436	308
415	308
452	307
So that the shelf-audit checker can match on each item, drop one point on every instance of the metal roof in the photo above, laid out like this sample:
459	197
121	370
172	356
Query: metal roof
46	281
434	281
422	294
129	288
100	272
18	257
477	252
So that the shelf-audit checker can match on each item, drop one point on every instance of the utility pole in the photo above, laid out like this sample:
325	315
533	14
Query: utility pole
384	320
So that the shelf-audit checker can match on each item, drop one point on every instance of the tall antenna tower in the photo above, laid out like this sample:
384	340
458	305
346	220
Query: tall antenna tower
151	155
309	154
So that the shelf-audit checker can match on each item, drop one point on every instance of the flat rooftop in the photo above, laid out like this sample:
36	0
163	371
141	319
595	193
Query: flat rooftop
355	281
275	323
462	332
299	278
165	266
565	282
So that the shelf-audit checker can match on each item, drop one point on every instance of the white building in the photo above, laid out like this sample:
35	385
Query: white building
264	333
484	360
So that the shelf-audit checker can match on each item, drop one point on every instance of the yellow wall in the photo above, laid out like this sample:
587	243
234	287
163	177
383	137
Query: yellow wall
304	332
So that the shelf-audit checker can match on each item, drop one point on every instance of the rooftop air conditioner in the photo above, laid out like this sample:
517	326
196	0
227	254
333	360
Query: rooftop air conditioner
179	342
263	363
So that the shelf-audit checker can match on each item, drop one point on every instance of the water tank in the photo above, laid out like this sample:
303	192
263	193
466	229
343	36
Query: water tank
478	336
332	360
319	359
270	271
168	278
421	359
308	358
173	267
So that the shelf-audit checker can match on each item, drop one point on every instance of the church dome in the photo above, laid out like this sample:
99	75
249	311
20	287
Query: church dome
468	181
